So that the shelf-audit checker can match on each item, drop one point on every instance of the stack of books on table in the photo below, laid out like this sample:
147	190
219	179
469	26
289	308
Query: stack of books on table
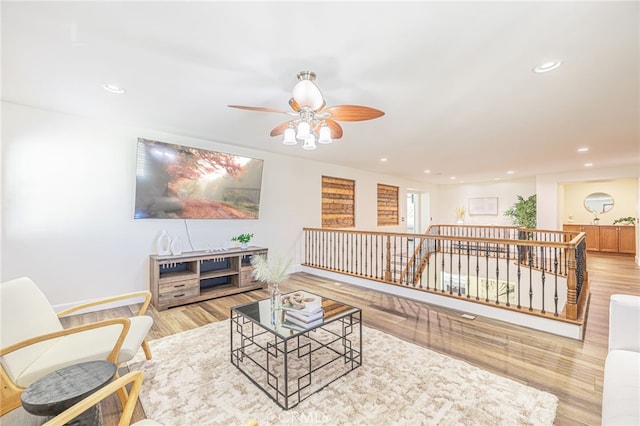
310	315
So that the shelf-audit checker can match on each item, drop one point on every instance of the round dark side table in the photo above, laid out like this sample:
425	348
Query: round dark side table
57	391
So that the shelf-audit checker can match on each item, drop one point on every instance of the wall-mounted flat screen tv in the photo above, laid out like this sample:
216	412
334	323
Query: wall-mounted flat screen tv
181	182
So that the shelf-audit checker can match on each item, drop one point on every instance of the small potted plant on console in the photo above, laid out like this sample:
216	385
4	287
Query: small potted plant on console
243	239
625	220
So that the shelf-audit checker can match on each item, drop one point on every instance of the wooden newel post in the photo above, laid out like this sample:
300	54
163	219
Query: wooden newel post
571	308
387	271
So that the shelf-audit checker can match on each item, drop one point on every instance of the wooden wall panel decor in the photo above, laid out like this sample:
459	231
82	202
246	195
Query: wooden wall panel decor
338	202
388	205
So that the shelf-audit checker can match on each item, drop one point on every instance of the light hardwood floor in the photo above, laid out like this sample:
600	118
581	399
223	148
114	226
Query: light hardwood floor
570	369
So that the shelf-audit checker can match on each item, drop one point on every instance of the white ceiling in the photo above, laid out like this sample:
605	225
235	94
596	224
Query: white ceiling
454	78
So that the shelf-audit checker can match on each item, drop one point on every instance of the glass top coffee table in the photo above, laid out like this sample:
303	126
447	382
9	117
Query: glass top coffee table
290	362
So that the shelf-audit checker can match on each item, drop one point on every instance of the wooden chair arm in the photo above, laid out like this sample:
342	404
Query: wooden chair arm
113	356
91	400
143	309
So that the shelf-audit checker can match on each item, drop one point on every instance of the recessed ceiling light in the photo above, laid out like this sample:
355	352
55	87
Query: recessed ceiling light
547	66
114	89
452	178
384	160
583	149
588	164
427	171
510	172
497	178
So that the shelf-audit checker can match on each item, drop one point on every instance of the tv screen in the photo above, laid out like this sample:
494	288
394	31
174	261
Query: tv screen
181	182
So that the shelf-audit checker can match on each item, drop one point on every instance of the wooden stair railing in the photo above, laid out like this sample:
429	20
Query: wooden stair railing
403	259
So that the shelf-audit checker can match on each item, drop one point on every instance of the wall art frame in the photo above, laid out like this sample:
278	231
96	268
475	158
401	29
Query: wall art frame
483	206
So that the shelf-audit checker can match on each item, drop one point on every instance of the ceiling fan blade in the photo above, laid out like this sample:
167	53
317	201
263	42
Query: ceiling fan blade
279	129
336	129
353	113
251	108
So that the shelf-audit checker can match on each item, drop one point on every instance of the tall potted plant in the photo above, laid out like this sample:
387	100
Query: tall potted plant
523	212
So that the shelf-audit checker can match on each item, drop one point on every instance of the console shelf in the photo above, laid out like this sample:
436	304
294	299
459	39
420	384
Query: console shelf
197	276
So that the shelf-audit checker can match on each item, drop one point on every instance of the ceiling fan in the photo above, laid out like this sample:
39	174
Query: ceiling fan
313	122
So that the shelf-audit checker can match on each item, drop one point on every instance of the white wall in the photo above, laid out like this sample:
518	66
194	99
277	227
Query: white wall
68	193
623	192
551	212
452	196
551	199
68	190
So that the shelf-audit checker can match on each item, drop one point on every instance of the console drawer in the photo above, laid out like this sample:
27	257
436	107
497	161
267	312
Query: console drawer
178	286
185	293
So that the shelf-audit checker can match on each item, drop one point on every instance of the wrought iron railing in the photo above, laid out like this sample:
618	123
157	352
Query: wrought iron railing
533	271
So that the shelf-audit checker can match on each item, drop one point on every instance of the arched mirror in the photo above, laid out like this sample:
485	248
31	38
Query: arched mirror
598	202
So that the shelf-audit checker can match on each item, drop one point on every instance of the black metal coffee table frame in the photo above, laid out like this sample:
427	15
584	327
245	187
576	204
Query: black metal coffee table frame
290	365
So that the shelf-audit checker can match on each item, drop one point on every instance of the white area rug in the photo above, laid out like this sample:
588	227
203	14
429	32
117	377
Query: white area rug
191	381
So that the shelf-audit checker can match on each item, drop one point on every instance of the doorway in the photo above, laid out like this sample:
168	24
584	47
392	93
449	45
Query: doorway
418	208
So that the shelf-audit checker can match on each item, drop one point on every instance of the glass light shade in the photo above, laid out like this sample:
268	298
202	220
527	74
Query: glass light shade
309	143
303	130
289	136
307	94
325	135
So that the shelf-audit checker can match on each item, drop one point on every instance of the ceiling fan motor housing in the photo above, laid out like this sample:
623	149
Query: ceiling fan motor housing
305	92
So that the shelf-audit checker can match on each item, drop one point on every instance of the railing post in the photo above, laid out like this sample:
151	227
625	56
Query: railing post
387	272
571	308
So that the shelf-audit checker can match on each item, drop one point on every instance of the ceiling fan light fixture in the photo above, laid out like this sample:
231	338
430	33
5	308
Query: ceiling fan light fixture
313	123
304	130
325	134
307	94
290	136
309	143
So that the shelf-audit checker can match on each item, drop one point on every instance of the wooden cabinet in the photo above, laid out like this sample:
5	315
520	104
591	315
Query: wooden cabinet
193	277
627	239
607	238
618	239
592	235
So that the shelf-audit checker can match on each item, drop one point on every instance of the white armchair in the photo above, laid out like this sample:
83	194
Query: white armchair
34	343
621	386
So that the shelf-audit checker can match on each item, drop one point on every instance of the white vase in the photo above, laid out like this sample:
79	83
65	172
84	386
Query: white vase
243	246
163	245
176	246
276	303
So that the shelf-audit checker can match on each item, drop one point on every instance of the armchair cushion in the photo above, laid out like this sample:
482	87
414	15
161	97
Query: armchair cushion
624	322
621	386
26	313
75	348
140	327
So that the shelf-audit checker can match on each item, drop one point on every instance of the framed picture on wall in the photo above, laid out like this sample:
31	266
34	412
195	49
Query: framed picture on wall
483	206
